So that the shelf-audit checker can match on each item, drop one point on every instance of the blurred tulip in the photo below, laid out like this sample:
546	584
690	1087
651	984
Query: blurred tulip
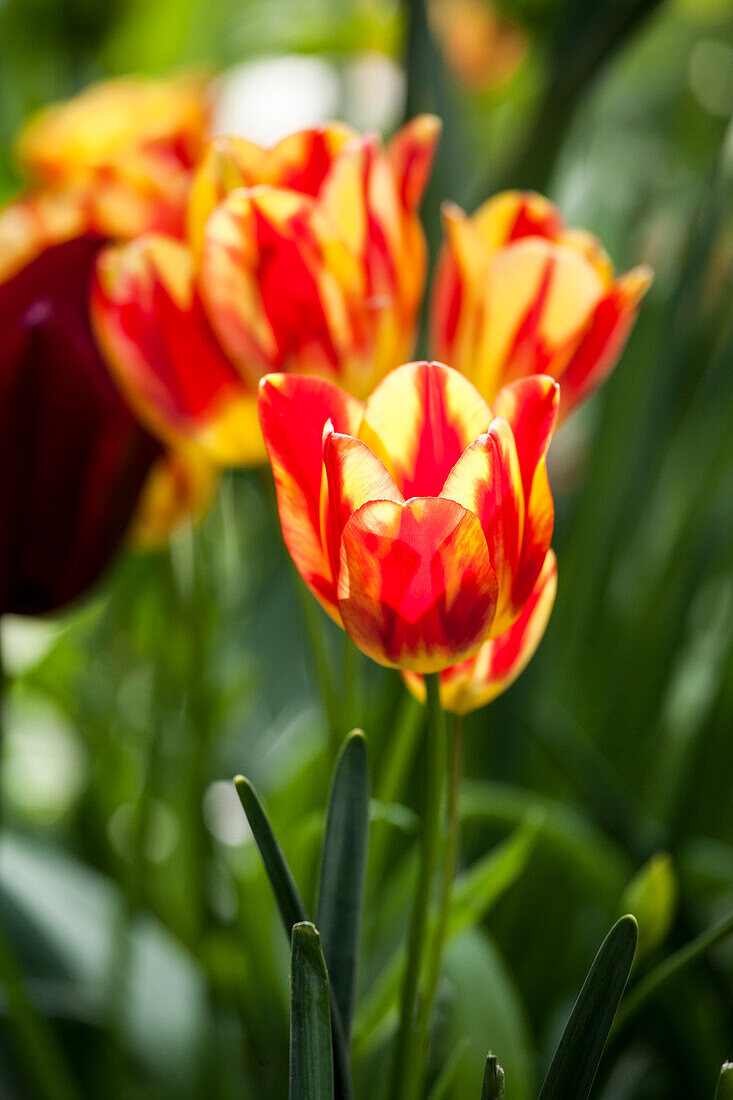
115	160
420	520
474	683
517	293
482	48
307	257
75	459
125	148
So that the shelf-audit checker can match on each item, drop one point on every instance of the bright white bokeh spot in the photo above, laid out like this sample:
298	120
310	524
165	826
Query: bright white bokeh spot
374	92
265	99
26	641
44	763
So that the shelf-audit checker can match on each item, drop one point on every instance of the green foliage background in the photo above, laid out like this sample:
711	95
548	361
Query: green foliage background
149	935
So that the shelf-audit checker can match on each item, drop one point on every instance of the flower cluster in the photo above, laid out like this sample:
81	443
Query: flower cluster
307	257
195	271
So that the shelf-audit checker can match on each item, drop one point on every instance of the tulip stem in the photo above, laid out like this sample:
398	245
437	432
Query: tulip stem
435	953
405	1075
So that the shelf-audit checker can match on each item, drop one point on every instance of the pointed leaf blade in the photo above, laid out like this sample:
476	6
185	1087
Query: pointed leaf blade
576	1060
341	886
493	1088
289	901
724	1091
311	1058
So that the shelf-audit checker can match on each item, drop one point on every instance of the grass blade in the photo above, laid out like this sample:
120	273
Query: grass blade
724	1091
341	886
292	910
289	901
576	1060
493	1088
311	1057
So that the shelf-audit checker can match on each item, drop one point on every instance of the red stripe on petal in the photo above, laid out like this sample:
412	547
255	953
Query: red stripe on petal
419	420
416	589
487	481
604	339
352	475
151	322
530	407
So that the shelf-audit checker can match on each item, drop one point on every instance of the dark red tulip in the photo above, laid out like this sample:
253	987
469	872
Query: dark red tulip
74	459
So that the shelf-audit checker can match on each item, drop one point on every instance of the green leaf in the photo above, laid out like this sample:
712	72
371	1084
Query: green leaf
724	1091
292	908
311	1058
478	888
341	886
289	901
652	898
576	1060
493	1088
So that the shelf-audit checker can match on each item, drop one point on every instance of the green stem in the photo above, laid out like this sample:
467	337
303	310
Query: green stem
649	985
435	953
404	1071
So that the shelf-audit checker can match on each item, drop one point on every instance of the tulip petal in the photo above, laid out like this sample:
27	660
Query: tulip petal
411	152
471	684
419	421
293	412
352	475
530	406
107	122
512	215
487	481
416	589
275	278
74	457
160	347
604	338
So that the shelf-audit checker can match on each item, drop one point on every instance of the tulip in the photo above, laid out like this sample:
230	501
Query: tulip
479	680
125	147
517	293
421	519
75	458
305	258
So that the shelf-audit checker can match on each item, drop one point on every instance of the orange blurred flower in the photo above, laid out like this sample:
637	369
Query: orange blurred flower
517	293
123	149
422	519
482	48
307	257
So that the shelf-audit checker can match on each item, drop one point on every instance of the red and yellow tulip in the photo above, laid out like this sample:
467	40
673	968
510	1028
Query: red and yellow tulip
305	258
421	519
518	293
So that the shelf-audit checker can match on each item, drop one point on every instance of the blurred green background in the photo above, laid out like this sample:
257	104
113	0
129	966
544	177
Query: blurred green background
130	888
